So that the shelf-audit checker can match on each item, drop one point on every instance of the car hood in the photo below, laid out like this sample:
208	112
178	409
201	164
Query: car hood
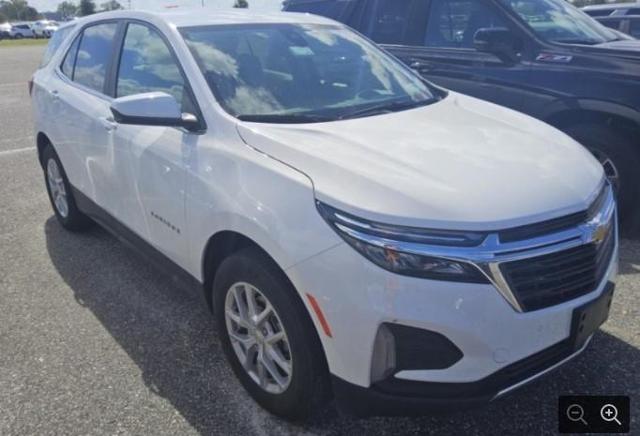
628	50
627	44
460	163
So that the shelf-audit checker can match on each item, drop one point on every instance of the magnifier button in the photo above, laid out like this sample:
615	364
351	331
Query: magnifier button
575	413
609	413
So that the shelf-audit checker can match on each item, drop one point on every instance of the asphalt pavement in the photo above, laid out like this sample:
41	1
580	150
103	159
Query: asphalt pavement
95	341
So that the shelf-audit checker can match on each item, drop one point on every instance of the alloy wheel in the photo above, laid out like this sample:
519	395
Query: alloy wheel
258	337
57	189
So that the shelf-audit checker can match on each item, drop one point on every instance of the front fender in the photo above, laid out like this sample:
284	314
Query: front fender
236	188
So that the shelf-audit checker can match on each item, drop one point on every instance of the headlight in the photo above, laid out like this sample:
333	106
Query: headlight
387	247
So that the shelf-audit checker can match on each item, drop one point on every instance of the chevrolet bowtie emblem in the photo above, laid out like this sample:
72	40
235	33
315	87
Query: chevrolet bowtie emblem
600	233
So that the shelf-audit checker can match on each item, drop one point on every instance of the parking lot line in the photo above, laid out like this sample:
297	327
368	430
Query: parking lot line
13	84
16	151
21	138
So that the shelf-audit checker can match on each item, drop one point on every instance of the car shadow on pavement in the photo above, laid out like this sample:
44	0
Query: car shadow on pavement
169	334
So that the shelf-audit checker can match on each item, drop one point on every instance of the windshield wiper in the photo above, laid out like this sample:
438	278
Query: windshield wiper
285	118
383	108
315	118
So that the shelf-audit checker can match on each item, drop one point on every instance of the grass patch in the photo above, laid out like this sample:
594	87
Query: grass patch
22	42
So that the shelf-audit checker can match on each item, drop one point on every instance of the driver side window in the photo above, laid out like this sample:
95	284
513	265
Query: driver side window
147	65
454	23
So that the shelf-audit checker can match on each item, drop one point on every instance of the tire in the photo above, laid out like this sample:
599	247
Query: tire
307	390
621	160
70	217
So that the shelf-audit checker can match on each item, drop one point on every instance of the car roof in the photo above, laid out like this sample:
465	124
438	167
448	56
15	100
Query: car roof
207	16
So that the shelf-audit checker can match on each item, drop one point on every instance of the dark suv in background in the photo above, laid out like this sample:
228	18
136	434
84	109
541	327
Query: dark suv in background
629	24
541	57
612	9
624	17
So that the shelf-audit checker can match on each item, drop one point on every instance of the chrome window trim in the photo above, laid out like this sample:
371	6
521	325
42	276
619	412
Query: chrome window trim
491	253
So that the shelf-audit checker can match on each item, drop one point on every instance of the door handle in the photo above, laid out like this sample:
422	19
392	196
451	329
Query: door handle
109	124
54	94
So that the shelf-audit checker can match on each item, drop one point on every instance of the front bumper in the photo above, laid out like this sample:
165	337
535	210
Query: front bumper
400	397
501	347
393	396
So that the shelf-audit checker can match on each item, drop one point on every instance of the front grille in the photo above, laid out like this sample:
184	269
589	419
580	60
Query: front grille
529	231
554	278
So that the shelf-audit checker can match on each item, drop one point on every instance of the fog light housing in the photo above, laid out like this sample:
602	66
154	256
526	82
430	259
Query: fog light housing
399	348
383	363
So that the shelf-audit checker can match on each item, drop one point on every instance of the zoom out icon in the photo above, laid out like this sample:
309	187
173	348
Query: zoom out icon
575	413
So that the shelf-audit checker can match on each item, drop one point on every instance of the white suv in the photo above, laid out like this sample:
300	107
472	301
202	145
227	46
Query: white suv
44	28
19	31
357	231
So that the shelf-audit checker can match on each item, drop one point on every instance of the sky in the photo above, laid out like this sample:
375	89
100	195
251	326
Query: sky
258	5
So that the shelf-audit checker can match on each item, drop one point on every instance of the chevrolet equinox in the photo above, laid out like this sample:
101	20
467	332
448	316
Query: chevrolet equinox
358	232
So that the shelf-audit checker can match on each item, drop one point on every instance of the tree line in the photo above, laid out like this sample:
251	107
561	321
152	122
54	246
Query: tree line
20	10
68	9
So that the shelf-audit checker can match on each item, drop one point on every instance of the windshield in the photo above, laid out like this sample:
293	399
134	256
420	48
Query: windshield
559	21
301	73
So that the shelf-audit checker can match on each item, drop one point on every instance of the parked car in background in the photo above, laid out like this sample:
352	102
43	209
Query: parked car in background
613	10
544	58
19	31
44	28
358	231
628	24
5	30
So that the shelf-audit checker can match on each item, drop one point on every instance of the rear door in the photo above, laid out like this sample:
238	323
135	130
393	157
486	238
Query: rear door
83	131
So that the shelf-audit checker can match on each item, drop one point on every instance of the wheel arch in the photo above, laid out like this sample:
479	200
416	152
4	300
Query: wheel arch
622	118
227	242
220	246
42	141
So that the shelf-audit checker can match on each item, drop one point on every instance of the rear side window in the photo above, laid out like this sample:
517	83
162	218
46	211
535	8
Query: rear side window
613	24
70	59
633	11
54	43
599	12
454	23
147	65
400	22
96	46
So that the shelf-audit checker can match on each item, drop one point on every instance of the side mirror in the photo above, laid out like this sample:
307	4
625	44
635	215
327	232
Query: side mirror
152	109
499	41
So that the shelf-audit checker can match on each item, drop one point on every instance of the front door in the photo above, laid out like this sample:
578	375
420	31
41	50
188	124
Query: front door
153	176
